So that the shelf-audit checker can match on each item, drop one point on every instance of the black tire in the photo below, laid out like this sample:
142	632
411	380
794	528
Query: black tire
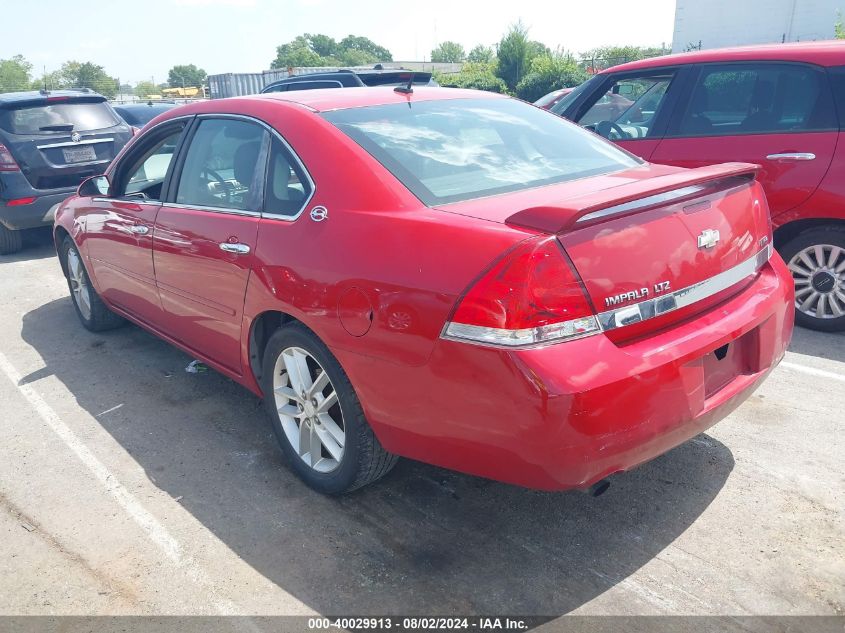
100	318
364	460
10	241
827	235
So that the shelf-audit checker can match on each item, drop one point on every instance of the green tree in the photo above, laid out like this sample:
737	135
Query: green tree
514	53
838	27
550	71
375	53
296	53
323	45
481	54
145	89
187	75
74	74
322	50
15	74
448	52
479	76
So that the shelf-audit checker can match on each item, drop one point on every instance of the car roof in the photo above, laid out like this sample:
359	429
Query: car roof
35	96
342	98
825	53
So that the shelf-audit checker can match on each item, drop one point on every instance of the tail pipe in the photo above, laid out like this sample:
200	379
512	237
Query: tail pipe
598	488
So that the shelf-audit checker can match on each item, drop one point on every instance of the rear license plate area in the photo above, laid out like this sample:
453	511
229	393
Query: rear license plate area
725	363
82	154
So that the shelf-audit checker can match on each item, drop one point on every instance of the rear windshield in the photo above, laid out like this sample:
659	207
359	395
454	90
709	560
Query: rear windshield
56	118
459	149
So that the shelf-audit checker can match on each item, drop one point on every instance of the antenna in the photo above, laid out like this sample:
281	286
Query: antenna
406	90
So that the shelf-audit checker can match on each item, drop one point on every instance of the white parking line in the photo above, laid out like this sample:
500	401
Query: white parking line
157	533
812	371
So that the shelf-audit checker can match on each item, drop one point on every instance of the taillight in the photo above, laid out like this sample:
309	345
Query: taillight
529	296
7	163
19	202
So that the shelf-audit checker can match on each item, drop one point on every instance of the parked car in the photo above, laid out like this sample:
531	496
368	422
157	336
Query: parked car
49	143
139	114
350	79
453	276
547	101
782	107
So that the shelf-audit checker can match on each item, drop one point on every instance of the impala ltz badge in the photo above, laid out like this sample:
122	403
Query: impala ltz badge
76	137
318	214
639	293
708	238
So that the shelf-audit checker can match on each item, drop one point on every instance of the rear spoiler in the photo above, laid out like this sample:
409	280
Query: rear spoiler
42	100
634	197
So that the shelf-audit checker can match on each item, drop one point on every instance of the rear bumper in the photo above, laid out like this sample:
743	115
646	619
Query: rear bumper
29	216
566	415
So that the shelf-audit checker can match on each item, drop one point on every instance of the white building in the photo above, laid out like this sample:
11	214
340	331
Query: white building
720	23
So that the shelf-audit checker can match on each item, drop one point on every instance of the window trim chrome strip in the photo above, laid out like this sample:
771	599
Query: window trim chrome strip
90	141
664	304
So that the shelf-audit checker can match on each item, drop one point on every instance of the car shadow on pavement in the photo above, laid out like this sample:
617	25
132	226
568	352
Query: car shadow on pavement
829	345
422	540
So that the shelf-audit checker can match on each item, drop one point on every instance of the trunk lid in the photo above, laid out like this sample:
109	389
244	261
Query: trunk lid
651	251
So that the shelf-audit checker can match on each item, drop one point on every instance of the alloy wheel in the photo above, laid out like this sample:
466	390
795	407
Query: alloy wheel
309	409
79	284
819	274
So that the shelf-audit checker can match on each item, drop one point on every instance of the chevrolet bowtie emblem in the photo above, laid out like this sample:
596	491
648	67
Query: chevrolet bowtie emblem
708	238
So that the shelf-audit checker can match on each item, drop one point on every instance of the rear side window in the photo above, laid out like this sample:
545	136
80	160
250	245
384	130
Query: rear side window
451	150
288	186
741	99
314	85
222	166
837	82
58	118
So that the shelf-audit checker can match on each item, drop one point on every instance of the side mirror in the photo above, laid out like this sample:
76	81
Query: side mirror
94	186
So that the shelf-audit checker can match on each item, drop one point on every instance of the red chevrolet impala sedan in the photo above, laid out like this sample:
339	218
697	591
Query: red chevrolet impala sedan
452	276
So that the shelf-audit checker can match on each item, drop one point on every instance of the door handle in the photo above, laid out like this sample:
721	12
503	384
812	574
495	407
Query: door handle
792	156
238	249
139	229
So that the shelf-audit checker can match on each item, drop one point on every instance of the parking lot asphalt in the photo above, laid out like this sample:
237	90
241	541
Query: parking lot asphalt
128	486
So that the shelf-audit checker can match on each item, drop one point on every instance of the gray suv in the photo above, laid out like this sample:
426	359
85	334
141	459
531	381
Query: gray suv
49	143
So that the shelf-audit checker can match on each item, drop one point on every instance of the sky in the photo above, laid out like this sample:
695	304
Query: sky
143	39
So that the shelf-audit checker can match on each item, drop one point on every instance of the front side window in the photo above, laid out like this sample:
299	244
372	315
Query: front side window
142	173
147	175
629	107
459	149
757	99
221	166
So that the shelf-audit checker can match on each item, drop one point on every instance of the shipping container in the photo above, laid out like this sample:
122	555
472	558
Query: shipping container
234	85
